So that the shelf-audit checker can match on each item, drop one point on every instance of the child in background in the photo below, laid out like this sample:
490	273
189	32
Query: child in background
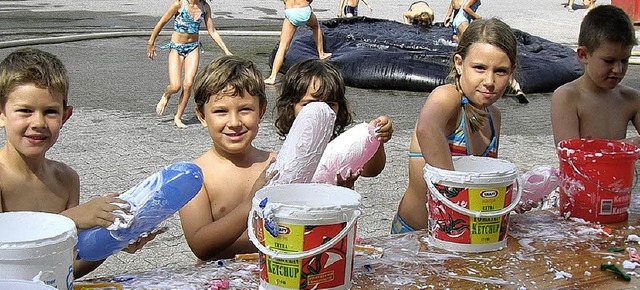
33	107
318	81
230	101
297	13
184	53
464	17
419	13
596	105
351	9
589	4
454	8
459	118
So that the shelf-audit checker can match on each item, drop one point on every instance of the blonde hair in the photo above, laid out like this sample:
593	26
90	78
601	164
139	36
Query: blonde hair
33	66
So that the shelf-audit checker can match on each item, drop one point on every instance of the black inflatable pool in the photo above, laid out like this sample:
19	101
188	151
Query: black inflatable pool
383	54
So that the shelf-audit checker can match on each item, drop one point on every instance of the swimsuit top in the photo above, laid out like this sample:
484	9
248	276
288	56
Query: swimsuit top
184	23
458	140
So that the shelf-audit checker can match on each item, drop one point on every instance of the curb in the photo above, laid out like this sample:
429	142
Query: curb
103	35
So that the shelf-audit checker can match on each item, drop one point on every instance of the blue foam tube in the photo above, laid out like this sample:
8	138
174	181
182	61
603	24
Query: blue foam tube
154	200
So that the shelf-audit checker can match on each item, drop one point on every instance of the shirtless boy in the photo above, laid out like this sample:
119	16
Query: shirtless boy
596	105
33	108
230	99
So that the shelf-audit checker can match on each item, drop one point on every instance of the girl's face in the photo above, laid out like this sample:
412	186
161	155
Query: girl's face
32	119
308	98
232	121
484	74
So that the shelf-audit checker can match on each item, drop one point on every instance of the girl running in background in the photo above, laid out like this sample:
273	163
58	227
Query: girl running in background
459	118
185	50
296	13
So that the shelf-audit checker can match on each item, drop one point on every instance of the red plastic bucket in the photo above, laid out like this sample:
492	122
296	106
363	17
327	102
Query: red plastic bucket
597	177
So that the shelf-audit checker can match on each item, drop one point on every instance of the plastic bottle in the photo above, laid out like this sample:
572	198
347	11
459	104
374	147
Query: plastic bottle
152	200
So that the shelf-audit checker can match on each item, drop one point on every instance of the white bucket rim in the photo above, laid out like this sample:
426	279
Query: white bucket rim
64	238
502	173
318	204
13	282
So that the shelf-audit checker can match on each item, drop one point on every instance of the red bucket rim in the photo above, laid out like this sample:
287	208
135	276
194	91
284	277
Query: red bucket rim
596	148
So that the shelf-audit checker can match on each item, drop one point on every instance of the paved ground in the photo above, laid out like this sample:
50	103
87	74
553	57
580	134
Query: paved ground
114	140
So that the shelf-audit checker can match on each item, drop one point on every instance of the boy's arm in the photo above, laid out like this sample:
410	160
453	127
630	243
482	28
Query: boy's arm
208	238
340	8
82	267
213	32
564	114
635	121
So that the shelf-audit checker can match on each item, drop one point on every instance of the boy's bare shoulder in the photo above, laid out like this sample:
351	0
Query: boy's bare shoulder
630	93
62	171
567	90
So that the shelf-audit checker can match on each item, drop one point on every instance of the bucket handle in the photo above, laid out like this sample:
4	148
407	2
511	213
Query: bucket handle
299	255
585	177
514	202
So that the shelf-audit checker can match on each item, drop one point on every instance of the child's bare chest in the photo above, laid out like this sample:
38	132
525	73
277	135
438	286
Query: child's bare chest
20	194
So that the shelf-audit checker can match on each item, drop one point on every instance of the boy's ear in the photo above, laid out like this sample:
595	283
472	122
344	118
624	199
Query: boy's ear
583	54
263	110
201	118
68	111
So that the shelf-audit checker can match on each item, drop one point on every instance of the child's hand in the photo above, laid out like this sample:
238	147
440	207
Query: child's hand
151	51
263	178
143	240
96	212
384	128
349	181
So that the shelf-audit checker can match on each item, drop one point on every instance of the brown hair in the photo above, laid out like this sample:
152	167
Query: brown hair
228	76
33	66
423	19
297	81
606	23
492	31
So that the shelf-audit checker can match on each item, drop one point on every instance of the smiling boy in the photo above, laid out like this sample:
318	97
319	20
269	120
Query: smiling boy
231	101
33	107
596	105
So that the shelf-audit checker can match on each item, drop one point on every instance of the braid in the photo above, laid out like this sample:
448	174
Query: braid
476	117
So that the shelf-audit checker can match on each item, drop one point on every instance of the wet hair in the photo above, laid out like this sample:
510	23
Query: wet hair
297	81
492	31
33	66
606	23
423	19
228	75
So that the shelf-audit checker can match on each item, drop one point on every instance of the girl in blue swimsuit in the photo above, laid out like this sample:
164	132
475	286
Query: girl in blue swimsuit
296	13
459	118
185	48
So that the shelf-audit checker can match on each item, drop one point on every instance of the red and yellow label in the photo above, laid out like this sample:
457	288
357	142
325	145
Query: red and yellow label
325	270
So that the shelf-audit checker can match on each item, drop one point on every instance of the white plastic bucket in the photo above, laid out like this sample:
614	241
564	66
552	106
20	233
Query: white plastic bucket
15	284
469	207
316	226
37	244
